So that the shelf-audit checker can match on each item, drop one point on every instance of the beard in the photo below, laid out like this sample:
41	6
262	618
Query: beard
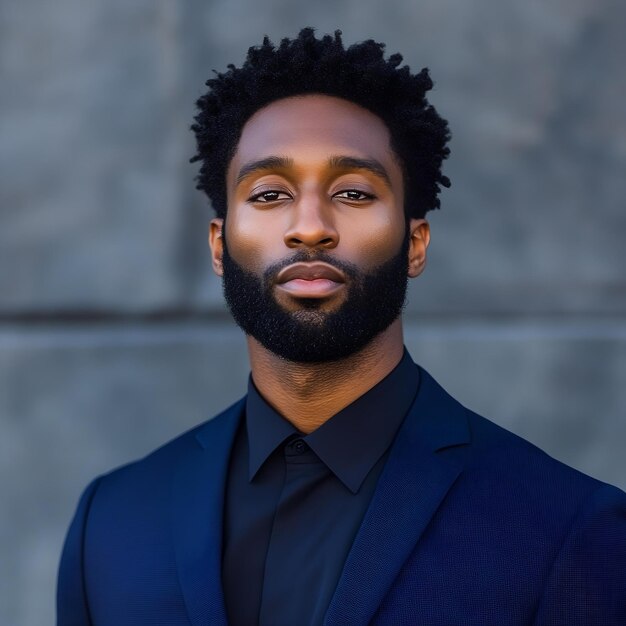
373	301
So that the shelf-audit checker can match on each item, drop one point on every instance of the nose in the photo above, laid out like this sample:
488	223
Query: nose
311	226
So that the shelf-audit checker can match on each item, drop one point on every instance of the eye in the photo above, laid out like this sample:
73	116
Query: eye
270	195
355	195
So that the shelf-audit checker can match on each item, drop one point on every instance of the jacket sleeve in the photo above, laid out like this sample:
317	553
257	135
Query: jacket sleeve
72	606
587	583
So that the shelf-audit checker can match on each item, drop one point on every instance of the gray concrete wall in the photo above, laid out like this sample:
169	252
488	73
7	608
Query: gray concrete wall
113	335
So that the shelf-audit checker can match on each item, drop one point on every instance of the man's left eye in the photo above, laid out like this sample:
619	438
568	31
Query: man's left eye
353	194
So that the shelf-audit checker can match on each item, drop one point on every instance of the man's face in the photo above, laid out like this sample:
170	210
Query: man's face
315	251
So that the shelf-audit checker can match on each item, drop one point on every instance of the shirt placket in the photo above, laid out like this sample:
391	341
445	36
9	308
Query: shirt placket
286	561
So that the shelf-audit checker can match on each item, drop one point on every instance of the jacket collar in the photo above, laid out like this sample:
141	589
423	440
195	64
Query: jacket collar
415	480
197	507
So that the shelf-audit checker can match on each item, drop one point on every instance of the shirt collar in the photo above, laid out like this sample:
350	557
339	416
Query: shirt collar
351	441
267	429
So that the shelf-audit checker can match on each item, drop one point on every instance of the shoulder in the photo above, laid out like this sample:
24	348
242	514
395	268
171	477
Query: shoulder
161	464
496	449
553	492
506	468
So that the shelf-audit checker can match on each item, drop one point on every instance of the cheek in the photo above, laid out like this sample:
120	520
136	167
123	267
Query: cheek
250	242
375	239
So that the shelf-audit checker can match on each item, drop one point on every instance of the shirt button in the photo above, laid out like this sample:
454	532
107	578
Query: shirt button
299	446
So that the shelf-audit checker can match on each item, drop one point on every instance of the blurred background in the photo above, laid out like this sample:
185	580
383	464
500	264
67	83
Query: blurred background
113	334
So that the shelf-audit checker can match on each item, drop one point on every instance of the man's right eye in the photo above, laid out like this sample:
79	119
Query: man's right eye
268	196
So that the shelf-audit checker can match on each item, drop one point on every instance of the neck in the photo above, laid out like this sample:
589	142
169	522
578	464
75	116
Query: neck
309	394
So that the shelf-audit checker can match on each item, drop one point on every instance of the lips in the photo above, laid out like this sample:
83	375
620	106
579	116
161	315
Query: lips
310	280
310	271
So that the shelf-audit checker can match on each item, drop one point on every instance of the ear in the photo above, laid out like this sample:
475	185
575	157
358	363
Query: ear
419	232
216	242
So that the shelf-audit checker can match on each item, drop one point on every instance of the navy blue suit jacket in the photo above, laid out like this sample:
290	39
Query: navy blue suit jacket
469	525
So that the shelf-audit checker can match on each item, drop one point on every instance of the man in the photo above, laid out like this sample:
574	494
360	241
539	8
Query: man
347	487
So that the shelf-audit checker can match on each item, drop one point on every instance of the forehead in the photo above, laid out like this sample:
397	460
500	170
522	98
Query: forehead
313	126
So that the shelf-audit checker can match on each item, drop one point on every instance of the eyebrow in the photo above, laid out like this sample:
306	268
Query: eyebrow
269	163
373	166
354	163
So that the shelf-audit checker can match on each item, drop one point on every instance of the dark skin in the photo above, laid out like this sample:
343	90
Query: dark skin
318	173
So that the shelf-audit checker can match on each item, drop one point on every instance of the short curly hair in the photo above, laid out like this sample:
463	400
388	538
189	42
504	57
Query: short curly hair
307	65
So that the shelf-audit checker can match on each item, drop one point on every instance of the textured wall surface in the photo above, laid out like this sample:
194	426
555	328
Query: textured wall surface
113	334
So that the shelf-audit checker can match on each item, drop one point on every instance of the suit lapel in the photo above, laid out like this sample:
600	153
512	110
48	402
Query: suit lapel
414	481
197	508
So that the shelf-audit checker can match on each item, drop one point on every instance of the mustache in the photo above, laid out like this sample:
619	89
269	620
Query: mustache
302	256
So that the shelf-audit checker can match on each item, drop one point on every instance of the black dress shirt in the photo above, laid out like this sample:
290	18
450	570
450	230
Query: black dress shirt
294	502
